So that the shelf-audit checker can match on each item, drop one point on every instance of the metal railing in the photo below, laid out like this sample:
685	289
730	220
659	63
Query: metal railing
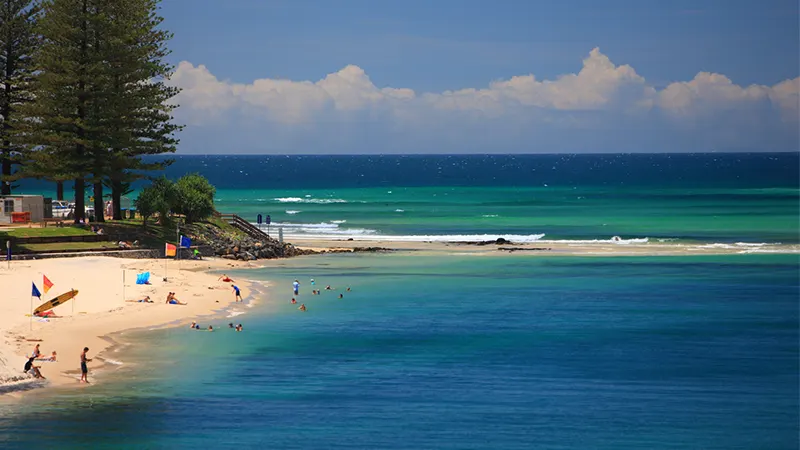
244	226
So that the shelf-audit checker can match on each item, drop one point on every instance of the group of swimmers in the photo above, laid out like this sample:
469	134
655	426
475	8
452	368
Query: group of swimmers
296	289
196	326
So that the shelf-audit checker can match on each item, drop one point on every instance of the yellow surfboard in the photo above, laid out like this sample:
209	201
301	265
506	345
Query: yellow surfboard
63	298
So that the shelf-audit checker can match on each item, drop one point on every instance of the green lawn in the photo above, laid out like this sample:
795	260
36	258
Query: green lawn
40	232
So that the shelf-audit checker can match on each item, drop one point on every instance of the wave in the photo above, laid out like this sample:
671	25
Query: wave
291	211
309	200
234	314
489	215
520	238
399	210
599	241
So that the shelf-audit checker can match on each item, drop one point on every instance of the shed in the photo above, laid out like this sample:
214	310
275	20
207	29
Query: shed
12	205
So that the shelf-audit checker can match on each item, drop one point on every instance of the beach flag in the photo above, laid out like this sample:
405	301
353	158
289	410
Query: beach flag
47	283
186	242
170	250
34	291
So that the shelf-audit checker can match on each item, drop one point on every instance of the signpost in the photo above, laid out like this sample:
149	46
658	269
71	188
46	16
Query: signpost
259	220
269	220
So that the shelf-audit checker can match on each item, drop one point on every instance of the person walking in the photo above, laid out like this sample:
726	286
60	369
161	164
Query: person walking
238	293
296	287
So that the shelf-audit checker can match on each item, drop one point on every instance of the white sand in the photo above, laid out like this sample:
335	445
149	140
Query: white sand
99	309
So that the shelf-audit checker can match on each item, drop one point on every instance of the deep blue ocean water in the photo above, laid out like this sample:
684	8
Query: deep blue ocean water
462	351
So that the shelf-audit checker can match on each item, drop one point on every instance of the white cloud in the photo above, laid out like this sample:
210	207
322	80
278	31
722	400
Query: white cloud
602	99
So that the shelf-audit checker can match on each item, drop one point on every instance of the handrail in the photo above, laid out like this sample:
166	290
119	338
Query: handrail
244	226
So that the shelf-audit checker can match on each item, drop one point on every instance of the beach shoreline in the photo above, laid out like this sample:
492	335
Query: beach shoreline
101	312
104	315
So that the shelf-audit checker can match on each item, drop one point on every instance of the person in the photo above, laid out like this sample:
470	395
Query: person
294	302
172	300
238	293
296	287
197	254
312	281
225	279
146	299
210	328
51	358
341	296
348	288
36	352
84	368
239	327
230	325
197	327
33	370
328	287
302	307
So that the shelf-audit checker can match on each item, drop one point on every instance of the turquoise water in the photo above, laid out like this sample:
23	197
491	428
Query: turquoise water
693	198
458	351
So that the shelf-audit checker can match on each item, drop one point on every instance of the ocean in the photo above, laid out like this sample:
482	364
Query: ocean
475	351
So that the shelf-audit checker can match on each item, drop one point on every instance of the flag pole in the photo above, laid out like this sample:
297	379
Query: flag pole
31	319
123	284
178	251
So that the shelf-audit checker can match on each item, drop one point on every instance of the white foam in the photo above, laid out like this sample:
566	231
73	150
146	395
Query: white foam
599	241
235	313
429	238
309	200
113	361
489	215
399	210
291	211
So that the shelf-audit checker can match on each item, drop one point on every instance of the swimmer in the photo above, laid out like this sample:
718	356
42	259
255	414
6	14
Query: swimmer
230	325
210	328
348	288
193	325
302	307
294	302
328	287
341	296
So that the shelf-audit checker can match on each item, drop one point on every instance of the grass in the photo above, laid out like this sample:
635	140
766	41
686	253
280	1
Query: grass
22	232
154	236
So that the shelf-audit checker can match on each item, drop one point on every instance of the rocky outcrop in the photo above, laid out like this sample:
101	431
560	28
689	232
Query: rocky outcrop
238	246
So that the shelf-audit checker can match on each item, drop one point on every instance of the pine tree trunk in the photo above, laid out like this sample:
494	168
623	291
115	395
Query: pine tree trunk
116	199
59	190
80	201
5	185
99	207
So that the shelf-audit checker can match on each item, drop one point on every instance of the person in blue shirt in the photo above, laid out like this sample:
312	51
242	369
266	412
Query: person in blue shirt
238	293
296	286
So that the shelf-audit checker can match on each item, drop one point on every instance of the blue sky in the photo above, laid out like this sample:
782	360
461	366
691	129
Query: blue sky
422	50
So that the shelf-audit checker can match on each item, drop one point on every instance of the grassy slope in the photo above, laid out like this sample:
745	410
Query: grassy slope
154	236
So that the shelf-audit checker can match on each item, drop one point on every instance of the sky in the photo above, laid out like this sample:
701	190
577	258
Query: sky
479	76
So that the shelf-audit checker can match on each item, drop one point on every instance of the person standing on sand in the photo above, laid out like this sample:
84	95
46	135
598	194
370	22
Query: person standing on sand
238	293
296	286
84	369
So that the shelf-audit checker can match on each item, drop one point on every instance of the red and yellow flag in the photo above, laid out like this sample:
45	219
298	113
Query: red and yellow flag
170	249
47	283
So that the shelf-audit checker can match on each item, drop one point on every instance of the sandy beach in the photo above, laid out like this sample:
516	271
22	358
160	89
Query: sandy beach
102	307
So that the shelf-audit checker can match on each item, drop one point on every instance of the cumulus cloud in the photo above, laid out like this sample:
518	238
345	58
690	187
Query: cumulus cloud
602	107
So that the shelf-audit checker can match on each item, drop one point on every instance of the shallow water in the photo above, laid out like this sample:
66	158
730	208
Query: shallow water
491	351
